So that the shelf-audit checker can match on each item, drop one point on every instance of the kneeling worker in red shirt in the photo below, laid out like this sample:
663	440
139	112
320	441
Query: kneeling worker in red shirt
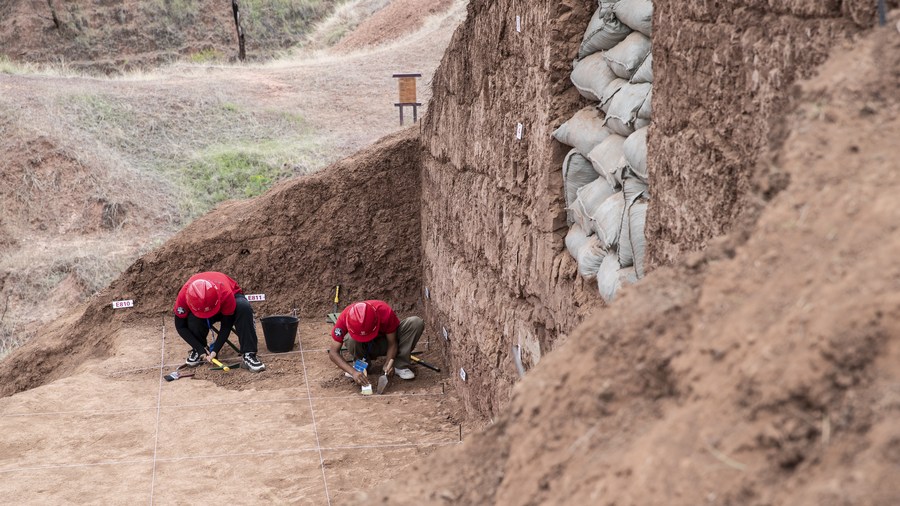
211	297
371	329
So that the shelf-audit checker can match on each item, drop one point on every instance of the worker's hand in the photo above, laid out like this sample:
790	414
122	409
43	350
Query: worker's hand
360	378
211	356
389	371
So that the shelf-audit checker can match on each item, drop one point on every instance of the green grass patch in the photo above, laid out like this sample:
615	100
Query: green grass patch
206	56
223	173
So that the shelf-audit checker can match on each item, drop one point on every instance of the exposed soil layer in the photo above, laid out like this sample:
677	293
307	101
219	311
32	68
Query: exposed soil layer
355	224
724	74
759	371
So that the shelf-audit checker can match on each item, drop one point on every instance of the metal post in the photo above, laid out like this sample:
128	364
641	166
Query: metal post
401	115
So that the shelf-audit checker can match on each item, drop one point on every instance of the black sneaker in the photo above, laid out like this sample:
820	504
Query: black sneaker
193	359
253	363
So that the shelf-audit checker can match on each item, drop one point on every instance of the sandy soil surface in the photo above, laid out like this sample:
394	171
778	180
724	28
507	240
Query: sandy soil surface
299	432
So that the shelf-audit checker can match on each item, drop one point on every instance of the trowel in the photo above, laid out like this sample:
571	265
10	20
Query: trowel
383	380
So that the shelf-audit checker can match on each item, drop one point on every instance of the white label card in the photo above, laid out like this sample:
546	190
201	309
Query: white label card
123	303
462	374
446	333
520	129
256	297
427	293
518	23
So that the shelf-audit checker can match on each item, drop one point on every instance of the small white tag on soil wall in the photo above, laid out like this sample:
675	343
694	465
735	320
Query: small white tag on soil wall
462	374
518	23
520	130
256	297
119	304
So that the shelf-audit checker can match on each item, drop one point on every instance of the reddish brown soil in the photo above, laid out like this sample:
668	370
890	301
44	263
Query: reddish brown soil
398	18
759	372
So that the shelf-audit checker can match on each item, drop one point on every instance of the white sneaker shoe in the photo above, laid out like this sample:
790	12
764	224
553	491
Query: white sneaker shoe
406	374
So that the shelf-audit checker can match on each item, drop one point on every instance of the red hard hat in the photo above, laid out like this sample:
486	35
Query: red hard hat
362	322
203	298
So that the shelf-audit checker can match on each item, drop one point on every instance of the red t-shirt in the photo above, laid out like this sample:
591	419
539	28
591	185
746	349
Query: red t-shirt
227	287
387	320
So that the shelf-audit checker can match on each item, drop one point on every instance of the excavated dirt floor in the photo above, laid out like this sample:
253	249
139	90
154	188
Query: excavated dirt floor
296	433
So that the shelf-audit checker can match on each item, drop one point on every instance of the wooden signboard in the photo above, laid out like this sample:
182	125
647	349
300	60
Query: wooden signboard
407	89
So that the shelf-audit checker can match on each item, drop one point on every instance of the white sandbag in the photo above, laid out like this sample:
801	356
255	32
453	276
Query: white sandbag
575	240
644	73
607	219
610	92
635	147
637	14
578	171
634	189
611	278
583	131
589	197
641	123
646	111
624	250
606	156
603	32
624	107
625	58
637	217
591	76
608	278
590	257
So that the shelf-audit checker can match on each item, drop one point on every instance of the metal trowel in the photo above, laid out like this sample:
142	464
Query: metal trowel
383	380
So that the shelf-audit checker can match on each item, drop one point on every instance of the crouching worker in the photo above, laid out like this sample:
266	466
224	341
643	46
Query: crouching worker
211	297
371	329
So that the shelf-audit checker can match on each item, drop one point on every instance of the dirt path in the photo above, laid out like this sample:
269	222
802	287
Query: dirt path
297	433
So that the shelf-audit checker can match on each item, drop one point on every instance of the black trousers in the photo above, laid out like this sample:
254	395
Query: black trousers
241	321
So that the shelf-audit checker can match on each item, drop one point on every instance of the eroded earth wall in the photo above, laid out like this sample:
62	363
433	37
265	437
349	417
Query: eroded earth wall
492	206
724	73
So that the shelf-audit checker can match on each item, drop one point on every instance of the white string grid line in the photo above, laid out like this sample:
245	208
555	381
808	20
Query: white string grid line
230	455
312	413
162	361
223	403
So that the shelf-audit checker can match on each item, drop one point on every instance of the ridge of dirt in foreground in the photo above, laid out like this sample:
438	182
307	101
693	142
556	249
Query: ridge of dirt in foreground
761	371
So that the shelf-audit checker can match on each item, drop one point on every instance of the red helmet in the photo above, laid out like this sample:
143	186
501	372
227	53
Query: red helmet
203	298
362	322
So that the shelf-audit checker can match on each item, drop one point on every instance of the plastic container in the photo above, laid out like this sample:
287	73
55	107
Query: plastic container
280	332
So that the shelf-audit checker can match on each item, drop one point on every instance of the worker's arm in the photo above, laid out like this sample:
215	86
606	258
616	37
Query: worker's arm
392	349
334	353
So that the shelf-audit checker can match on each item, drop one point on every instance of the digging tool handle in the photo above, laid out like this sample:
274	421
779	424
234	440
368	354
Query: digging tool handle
424	363
220	364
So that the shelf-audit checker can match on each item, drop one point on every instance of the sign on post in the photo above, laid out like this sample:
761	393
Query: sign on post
407	89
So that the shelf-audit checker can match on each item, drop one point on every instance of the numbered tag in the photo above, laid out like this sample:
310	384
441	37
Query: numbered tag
520	130
427	293
256	297
462	374
446	333
518	23
119	304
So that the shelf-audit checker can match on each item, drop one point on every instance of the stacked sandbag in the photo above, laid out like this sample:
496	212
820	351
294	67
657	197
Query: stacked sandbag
606	174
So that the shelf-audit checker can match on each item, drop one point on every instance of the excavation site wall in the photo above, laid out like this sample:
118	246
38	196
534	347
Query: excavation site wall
498	280
493	221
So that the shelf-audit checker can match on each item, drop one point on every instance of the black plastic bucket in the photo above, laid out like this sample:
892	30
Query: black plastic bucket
280	332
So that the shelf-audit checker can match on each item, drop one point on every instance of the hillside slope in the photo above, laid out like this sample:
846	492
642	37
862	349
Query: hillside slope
759	372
